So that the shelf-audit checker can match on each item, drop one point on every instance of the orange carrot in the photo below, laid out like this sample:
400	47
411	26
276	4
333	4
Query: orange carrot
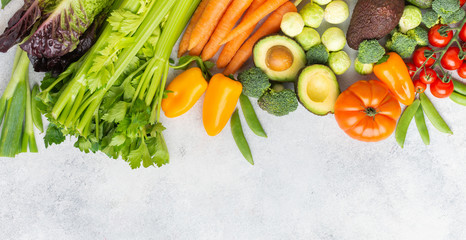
184	44
196	51
232	46
208	21
270	26
228	21
260	13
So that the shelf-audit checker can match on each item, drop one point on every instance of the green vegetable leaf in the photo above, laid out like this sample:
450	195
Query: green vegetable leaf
117	112
125	21
111	97
141	153
128	90
118	140
47	81
53	135
86	146
161	156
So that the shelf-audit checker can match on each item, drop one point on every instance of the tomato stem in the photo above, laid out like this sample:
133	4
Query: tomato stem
371	112
455	39
442	51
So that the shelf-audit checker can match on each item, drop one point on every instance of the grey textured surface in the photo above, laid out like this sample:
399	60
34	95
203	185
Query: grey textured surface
310	181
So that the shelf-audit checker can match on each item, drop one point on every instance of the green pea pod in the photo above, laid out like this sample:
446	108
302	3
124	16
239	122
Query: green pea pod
433	115
405	120
36	116
251	117
421	125
459	87
458	98
238	135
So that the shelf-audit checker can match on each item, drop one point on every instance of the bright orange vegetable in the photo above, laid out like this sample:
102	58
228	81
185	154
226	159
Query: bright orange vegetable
228	21
230	49
260	13
367	111
395	74
270	26
184	44
186	89
208	21
220	102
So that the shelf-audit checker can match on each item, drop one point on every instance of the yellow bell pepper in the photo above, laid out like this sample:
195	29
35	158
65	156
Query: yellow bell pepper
185	91
220	102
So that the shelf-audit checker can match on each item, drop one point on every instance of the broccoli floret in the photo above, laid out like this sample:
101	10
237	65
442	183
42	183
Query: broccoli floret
445	7
370	51
279	101
420	35
455	17
317	55
430	18
402	44
255	82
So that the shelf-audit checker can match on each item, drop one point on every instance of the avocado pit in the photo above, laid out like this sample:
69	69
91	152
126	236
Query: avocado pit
279	58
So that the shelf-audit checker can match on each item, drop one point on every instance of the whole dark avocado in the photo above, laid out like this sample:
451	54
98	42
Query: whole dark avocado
373	19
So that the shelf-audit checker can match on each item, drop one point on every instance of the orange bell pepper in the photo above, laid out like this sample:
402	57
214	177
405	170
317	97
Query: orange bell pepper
185	91
395	75
220	102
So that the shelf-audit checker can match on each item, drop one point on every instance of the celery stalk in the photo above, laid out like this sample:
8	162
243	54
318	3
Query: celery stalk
172	30
154	17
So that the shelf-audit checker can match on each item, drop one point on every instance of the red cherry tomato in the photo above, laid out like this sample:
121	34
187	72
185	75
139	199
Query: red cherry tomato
428	76
462	70
411	68
438	39
451	59
419	57
442	88
419	87
462	2
462	33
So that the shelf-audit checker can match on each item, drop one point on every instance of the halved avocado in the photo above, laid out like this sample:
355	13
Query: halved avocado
280	57
318	89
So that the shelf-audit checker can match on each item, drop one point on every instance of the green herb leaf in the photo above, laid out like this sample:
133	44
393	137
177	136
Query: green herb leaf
117	112
53	135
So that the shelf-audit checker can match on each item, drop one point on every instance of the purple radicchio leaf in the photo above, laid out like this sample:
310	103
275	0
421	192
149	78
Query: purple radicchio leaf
20	25
59	64
59	34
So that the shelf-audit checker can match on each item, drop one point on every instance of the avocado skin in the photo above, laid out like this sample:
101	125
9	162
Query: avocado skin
373	19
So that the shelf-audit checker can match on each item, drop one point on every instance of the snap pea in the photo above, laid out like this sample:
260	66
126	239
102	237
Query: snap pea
36	116
405	120
251	117
433	115
238	135
421	125
458	98
459	86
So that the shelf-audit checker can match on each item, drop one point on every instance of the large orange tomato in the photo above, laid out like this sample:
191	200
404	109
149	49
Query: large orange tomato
367	111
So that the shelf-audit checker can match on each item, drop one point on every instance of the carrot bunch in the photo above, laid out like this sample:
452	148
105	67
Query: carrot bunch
213	25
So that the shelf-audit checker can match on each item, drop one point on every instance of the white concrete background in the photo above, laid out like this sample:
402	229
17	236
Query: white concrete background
310	181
